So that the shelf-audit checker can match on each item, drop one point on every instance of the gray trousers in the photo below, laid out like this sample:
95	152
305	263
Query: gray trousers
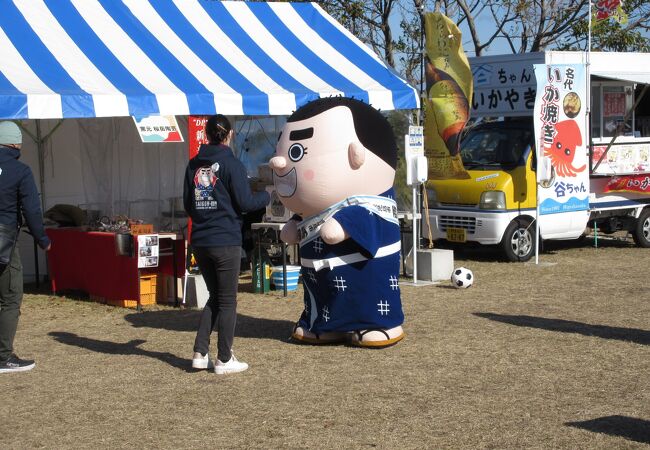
11	296
220	269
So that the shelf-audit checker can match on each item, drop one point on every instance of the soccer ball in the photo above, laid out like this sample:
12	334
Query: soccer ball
462	278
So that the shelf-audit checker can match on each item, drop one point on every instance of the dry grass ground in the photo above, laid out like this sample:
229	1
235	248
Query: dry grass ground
549	356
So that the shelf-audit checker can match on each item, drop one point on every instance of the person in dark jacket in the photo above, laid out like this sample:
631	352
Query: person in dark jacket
215	194
18	197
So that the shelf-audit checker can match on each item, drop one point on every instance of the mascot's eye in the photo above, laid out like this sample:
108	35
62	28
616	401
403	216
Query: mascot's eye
558	145
296	152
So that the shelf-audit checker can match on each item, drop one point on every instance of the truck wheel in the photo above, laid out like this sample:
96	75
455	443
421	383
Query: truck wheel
641	232
519	240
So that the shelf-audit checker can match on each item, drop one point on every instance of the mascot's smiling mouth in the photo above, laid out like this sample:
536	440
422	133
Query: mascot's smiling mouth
285	185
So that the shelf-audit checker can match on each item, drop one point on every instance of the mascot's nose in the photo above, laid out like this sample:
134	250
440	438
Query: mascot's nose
278	163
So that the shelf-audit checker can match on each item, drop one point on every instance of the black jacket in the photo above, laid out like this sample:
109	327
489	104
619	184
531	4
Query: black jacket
18	194
215	194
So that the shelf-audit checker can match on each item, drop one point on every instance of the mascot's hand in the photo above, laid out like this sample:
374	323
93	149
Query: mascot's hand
332	232
289	233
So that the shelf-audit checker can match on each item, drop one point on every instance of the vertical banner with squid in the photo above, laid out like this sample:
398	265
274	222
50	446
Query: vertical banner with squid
561	140
448	92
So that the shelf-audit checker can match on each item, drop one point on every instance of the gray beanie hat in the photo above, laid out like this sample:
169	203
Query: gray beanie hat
10	133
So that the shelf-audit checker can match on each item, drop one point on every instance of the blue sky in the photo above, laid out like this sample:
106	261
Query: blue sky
485	26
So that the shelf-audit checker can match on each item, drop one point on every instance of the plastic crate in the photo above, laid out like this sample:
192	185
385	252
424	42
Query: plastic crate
148	286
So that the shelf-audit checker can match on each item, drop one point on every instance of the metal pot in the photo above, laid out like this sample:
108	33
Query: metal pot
124	244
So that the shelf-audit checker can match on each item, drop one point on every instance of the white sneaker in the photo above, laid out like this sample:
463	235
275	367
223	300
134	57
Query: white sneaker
200	361
232	366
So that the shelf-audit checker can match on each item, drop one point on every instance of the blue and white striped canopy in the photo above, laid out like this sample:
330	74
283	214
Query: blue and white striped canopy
103	58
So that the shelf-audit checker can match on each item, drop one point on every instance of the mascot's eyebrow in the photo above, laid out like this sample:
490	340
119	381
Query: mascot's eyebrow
299	135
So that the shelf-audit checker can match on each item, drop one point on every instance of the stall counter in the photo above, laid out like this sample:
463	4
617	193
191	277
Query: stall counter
88	261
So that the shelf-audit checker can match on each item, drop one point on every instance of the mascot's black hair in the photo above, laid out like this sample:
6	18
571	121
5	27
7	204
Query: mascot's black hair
372	128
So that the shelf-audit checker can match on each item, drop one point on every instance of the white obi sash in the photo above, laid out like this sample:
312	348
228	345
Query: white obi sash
308	229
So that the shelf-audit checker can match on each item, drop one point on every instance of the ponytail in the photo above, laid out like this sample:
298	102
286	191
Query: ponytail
217	128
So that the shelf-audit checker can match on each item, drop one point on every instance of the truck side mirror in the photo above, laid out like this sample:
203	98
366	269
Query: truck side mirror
533	160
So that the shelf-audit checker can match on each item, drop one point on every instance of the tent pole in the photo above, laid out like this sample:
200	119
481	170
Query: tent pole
40	146
40	141
415	232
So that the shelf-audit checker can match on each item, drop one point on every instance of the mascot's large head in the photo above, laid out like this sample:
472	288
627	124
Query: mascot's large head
330	149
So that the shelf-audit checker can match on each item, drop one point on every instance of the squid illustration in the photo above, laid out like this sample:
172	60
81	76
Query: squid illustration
563	149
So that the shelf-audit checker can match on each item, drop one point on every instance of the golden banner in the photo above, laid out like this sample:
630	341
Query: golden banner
449	87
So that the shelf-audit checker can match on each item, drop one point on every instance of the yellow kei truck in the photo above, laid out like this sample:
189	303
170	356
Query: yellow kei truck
497	204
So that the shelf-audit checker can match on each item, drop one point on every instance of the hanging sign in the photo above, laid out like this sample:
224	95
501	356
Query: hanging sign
148	250
157	129
196	133
503	86
413	147
613	104
623	159
629	183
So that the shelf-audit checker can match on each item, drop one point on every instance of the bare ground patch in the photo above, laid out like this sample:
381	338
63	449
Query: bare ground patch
555	355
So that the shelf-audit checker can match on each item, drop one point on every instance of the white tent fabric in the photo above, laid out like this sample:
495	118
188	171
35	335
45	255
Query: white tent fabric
101	165
111	58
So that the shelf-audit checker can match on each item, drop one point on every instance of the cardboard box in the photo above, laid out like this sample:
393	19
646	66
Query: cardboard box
141	228
165	293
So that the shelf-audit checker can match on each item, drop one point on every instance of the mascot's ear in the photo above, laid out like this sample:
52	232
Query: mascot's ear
356	155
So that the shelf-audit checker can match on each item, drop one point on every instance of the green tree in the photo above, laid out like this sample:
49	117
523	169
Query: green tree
369	20
400	123
610	35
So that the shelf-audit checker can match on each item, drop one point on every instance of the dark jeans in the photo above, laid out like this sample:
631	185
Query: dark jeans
11	296
220	269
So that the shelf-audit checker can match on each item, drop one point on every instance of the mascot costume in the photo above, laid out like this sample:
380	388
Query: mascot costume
334	167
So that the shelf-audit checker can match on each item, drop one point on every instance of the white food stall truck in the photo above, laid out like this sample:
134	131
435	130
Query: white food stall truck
599	180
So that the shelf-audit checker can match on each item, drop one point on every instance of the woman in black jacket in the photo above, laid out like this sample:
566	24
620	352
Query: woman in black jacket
216	192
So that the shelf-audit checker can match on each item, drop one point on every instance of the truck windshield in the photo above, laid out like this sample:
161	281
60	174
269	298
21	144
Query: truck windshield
491	147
